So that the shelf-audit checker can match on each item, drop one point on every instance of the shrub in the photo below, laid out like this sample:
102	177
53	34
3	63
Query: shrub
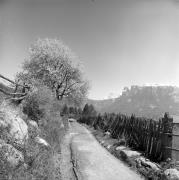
37	102
52	126
40	105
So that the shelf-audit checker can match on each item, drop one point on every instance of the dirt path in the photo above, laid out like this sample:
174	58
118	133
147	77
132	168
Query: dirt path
85	159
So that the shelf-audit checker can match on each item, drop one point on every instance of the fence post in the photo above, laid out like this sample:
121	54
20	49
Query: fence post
15	90
167	124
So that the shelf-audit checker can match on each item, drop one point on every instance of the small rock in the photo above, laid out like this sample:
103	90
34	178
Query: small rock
13	126
41	141
62	125
145	162
127	153
107	133
102	142
171	174
33	123
3	124
131	153
120	148
25	166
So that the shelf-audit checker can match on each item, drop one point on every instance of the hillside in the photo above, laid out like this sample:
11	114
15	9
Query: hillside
101	105
148	101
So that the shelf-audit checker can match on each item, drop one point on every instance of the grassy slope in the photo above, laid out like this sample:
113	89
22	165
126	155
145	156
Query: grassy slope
52	128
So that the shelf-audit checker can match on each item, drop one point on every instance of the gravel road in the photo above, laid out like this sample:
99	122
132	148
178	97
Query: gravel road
89	160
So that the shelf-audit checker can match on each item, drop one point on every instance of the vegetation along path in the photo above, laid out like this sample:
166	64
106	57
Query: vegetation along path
86	159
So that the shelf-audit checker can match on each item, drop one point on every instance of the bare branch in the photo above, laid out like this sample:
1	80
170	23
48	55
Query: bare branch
72	85
60	85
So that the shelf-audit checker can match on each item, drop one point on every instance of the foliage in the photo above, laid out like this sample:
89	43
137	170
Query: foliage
52	126
65	110
89	110
41	106
52	75
71	111
88	114
41	168
39	159
35	103
53	64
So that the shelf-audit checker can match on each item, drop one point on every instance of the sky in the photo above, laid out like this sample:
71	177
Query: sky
120	42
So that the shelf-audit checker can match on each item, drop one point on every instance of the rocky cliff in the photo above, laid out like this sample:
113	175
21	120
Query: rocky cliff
20	140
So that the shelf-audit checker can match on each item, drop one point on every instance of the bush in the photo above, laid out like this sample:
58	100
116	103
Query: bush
41	106
37	102
41	168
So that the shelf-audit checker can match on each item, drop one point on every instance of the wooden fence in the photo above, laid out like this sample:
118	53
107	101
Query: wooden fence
153	138
19	92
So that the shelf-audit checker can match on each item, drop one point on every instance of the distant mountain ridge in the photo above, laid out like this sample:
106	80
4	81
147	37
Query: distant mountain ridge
146	101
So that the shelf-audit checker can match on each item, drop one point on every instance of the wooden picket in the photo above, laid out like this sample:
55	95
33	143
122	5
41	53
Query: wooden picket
153	138
15	96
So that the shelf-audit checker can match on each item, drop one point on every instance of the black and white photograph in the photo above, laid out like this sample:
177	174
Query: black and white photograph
89	89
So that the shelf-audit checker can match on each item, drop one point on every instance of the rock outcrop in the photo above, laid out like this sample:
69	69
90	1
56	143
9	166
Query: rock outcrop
13	127
18	137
